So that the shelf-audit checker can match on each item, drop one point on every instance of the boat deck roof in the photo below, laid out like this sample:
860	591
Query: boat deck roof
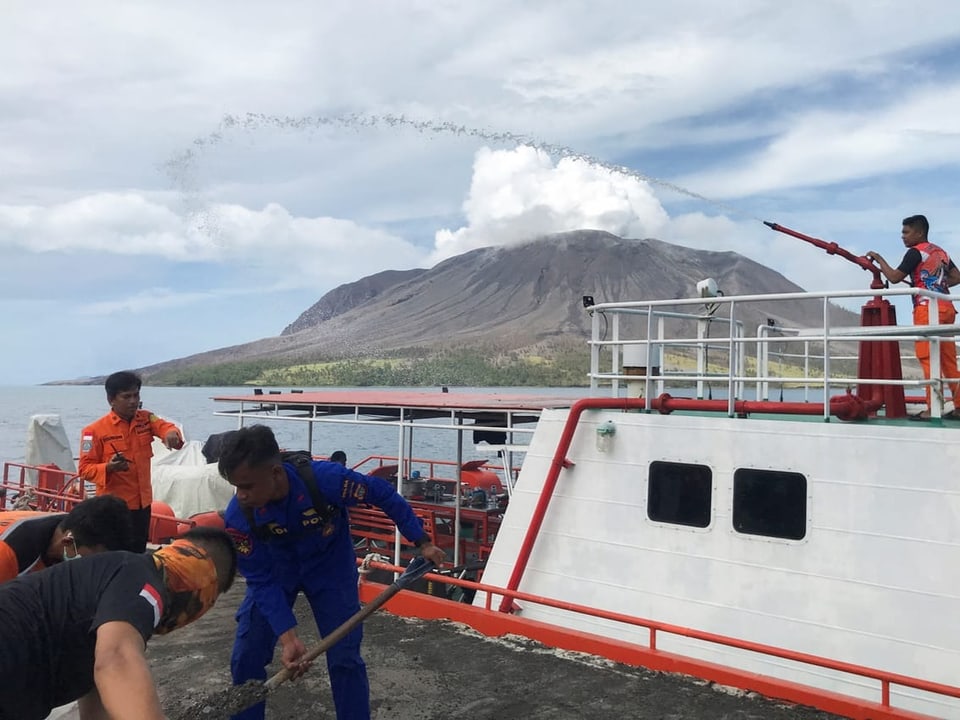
388	404
481	407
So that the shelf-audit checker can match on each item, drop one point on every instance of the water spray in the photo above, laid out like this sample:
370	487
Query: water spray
181	166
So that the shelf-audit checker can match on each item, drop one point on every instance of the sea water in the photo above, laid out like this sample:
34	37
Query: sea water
192	408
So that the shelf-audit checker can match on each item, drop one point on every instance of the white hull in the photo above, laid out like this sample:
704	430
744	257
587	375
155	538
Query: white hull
875	581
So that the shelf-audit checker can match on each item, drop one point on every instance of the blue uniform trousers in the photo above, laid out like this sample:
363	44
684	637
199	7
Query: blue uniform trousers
255	643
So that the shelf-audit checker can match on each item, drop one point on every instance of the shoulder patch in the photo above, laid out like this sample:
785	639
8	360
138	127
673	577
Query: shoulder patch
86	444
241	541
153	418
155	600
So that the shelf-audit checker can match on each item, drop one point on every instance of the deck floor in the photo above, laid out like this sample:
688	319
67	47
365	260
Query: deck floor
428	670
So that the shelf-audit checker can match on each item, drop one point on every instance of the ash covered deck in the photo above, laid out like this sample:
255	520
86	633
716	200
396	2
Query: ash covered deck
429	670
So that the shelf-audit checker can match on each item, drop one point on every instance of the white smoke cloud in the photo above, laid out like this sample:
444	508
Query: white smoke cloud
519	194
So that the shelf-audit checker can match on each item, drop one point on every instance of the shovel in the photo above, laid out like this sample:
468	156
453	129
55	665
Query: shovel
252	692
417	568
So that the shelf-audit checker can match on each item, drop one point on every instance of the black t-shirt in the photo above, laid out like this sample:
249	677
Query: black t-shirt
49	620
30	539
912	258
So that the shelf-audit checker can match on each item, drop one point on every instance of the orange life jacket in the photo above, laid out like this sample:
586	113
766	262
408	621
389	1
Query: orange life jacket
10	520
931	272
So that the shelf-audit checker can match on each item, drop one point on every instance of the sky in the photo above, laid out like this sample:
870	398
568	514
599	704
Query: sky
177	177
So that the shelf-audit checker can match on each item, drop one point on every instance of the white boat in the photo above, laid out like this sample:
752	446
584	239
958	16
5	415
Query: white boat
691	513
681	519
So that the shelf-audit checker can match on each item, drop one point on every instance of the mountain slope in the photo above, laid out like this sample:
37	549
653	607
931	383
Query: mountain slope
346	297
501	299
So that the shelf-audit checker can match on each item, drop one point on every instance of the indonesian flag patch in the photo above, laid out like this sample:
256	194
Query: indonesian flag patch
150	594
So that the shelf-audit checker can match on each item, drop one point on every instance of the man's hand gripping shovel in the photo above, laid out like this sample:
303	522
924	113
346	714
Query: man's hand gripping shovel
252	692
417	568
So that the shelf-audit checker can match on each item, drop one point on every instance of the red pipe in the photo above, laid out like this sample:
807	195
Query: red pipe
845	407
833	249
559	462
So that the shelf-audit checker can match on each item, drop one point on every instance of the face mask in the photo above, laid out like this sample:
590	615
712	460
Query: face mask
190	578
76	555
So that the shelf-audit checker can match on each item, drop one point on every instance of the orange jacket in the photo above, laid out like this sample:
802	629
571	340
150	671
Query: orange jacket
10	520
101	440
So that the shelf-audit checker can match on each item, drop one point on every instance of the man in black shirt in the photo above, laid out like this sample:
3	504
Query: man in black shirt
929	267
31	541
78	631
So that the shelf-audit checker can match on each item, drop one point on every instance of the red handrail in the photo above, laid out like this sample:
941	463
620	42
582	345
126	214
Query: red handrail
847	407
63	497
885	677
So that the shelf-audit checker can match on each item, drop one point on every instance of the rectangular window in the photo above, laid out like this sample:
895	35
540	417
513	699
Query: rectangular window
770	503
679	493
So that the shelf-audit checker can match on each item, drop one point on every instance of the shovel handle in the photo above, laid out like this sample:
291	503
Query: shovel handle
417	568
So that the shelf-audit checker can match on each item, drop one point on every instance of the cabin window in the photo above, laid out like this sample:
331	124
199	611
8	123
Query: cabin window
770	503
679	493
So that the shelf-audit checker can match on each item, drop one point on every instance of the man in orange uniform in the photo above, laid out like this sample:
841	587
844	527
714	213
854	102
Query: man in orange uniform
929	267
31	541
115	450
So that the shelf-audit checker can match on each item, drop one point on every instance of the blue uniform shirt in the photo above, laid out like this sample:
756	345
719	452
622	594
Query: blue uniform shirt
303	551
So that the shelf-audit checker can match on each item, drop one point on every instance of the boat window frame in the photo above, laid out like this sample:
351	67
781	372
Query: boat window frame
756	525
653	480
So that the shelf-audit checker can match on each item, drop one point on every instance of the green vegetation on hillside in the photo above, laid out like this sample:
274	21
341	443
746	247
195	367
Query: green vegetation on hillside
462	367
545	367
238	373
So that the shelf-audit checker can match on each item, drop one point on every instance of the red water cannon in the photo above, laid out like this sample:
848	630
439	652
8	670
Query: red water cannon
833	249
879	360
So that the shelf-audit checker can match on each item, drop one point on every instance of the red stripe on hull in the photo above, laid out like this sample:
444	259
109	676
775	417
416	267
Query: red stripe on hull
496	624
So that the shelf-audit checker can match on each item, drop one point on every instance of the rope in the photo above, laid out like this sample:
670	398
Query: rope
365	563
23	502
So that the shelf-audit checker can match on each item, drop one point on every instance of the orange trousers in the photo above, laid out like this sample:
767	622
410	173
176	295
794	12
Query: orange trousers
948	349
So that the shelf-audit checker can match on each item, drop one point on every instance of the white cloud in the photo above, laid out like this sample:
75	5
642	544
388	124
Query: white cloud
301	250
832	115
121	223
519	194
316	247
911	131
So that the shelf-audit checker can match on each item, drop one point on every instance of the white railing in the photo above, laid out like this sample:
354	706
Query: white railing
700	347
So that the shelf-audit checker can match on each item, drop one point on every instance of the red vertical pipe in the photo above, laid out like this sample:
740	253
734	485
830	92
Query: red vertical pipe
559	462
847	407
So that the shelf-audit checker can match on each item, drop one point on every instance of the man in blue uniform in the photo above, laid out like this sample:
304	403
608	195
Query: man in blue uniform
292	534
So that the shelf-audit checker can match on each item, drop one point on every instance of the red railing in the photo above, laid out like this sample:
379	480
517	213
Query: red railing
59	490
444	471
844	406
885	678
54	490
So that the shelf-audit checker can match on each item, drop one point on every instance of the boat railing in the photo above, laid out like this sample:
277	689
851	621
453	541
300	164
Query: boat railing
40	487
700	347
465	525
432	470
373	531
47	488
651	656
